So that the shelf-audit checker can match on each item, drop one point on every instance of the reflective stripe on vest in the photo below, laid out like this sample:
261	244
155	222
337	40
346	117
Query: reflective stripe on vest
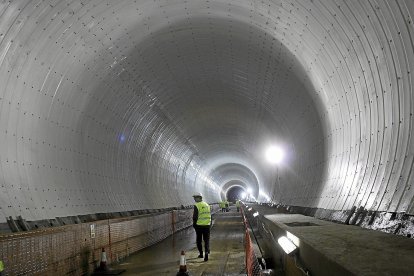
204	216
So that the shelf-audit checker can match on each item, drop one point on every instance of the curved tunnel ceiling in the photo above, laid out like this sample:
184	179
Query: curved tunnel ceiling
120	105
233	174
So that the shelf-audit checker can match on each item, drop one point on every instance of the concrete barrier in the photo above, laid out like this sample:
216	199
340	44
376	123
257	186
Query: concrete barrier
58	250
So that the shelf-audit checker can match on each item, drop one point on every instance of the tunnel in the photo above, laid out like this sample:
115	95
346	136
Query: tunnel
114	106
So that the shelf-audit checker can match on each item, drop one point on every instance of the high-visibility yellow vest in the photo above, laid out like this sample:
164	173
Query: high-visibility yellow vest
237	203
222	204
1	266
204	216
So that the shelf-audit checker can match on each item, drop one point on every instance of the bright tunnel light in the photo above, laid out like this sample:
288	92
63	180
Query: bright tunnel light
243	195
287	245
256	214
293	238
275	155
263	194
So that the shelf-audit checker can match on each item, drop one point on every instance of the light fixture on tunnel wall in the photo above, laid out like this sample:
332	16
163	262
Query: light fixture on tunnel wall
263	194
275	154
287	245
255	214
249	195
293	238
292	250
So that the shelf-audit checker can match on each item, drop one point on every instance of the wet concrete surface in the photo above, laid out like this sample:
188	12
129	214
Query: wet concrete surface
226	257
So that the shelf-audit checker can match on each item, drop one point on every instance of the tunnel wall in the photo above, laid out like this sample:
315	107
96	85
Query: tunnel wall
70	146
81	135
63	250
359	55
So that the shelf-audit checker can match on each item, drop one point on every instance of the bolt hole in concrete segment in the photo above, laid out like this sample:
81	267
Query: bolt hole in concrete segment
226	247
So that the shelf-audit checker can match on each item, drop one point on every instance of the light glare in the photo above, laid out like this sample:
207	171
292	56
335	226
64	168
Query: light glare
293	238
286	245
264	195
275	155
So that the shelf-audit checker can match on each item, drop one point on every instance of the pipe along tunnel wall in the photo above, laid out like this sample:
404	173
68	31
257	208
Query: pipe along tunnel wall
112	106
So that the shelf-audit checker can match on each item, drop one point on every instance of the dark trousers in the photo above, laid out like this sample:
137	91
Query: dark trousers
203	233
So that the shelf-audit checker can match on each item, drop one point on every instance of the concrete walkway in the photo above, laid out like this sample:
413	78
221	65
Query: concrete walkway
227	251
327	248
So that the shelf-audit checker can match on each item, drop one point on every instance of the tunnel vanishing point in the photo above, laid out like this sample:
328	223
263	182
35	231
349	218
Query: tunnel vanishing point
115	106
111	106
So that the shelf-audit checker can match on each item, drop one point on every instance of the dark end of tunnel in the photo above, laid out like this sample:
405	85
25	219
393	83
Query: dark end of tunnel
235	193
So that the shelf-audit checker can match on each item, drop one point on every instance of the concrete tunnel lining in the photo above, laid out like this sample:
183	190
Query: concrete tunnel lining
191	86
233	174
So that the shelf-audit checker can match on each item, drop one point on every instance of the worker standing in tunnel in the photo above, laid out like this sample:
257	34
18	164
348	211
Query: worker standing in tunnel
222	206
202	225
238	205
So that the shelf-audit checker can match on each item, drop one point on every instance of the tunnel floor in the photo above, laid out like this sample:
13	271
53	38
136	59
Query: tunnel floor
226	247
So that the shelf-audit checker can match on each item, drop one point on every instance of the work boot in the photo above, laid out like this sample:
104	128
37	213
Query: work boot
201	255
206	257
